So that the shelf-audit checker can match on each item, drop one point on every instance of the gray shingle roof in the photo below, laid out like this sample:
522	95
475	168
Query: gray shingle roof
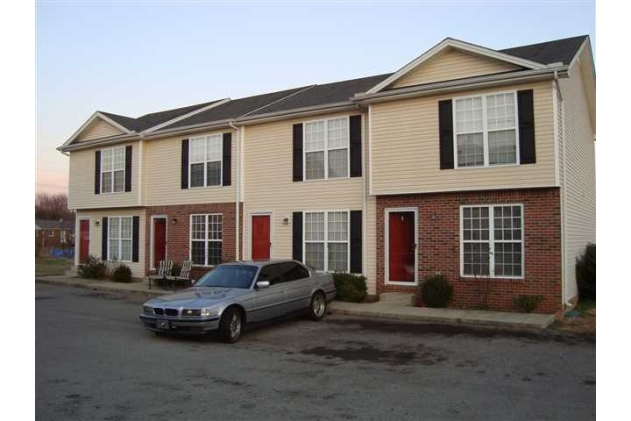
54	224
561	50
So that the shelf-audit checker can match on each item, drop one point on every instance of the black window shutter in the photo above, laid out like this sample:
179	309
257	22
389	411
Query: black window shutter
356	145
297	236
227	159
297	152
185	163
356	241
128	168
446	134
135	243
97	172
104	238
526	116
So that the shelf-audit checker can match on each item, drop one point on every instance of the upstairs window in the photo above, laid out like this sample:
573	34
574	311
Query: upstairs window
113	170
326	144
485	130
205	161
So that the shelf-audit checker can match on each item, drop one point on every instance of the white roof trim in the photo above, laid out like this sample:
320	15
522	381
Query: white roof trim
185	116
93	117
461	45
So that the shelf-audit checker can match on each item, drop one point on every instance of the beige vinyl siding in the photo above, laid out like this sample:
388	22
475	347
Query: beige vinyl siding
579	180
268	163
81	181
162	175
96	234
453	64
405	148
97	129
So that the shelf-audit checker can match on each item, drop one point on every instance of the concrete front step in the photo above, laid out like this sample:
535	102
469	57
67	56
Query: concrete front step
398	298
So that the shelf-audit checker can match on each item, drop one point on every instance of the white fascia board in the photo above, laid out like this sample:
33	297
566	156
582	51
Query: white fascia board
461	45
93	117
185	116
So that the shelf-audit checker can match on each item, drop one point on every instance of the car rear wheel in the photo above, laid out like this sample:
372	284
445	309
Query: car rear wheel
230	325
317	310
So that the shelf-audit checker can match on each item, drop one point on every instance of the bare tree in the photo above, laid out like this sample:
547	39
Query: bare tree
52	206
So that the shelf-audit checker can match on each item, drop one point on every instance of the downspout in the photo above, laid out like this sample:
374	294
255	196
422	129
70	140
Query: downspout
237	190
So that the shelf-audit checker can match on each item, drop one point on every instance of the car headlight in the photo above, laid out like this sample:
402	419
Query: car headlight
207	312
191	312
147	310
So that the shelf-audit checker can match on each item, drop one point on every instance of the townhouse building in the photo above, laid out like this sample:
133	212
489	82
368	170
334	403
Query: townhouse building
473	162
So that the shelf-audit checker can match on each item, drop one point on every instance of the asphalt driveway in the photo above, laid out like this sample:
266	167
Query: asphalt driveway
94	361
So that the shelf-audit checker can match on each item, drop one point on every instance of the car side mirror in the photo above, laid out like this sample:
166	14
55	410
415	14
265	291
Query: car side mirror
262	284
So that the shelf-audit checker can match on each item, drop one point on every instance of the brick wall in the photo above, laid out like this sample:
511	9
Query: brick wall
178	239
439	247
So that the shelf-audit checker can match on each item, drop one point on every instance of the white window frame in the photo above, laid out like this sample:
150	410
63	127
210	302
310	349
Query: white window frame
206	237
205	162
326	149
485	131
492	241
120	237
326	240
112	171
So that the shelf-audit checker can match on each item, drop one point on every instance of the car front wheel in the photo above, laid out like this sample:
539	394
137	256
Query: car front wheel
317	310
230	325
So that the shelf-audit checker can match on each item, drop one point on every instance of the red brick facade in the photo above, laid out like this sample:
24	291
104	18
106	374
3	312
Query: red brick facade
439	247
178	239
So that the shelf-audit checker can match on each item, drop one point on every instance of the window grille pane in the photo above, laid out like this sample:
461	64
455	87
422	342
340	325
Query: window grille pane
119	181
500	111
198	252
114	228
106	182
338	257
118	159
338	133
198	227
126	227
314	226
502	147
214	148
508	259
215	227
469	115
213	174
197	149
197	175
470	150
113	253
106	160
338	163
338	226
314	255
314	165
125	251
314	136
214	252
476	259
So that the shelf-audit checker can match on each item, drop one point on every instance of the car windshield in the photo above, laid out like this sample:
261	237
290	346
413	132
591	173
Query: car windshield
229	276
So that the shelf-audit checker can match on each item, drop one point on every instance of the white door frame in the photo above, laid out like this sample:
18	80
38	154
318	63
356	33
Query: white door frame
271	230
386	274
151	238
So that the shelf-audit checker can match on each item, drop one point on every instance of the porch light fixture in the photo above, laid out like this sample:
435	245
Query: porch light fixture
174	221
285	221
97	222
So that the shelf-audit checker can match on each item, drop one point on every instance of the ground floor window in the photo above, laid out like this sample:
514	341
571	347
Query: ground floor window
206	237
326	236
492	241
120	237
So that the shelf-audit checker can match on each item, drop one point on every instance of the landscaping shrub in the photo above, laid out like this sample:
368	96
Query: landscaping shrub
436	291
528	303
351	288
121	273
93	269
586	272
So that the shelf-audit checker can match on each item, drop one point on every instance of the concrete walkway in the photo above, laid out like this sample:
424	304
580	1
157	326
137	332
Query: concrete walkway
381	310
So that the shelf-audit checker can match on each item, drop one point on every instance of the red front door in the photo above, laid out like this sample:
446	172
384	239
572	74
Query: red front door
401	247
159	240
84	240
261	237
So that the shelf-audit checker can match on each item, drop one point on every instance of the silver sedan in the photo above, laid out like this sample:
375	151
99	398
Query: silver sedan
233	294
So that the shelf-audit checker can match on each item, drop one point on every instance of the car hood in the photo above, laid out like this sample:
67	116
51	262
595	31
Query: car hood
197	297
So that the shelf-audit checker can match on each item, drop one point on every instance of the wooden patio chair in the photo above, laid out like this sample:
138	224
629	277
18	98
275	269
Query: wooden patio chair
163	271
184	276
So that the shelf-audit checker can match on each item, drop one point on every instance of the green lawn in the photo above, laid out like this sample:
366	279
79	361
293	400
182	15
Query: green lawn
47	266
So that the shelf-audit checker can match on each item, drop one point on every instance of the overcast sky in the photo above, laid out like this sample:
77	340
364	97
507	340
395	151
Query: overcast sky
135	58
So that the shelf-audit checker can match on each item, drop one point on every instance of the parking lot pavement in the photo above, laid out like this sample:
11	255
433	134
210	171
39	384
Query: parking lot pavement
94	361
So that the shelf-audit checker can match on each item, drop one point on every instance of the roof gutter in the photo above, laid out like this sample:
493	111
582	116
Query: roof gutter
458	85
298	112
86	144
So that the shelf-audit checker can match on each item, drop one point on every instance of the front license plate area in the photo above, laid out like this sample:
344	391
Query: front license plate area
163	324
